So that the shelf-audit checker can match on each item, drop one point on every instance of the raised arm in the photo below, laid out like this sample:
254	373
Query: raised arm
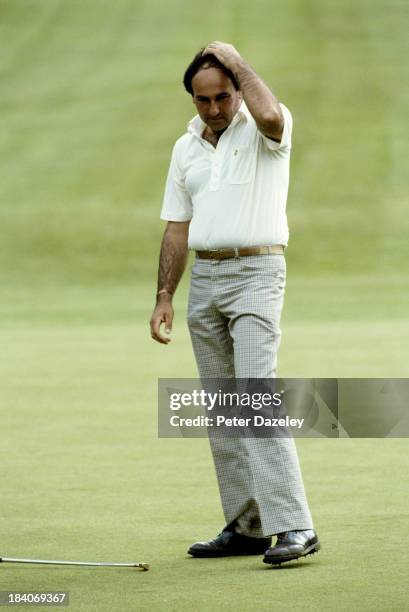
260	100
172	262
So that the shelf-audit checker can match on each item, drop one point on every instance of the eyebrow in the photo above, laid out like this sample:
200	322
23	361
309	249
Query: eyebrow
206	98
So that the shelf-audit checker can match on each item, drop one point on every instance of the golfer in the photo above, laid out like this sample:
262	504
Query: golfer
225	198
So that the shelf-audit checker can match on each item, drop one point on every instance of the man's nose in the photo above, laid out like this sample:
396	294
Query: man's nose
214	109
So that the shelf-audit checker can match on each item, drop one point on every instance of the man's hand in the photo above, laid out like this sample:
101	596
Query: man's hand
163	313
225	53
172	262
260	100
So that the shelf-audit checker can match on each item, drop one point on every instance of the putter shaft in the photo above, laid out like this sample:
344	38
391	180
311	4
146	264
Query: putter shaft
144	566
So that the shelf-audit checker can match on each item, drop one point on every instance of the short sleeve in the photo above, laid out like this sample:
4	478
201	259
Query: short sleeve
177	205
285	144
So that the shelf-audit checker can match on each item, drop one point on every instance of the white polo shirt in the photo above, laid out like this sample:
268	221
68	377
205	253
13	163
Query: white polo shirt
235	194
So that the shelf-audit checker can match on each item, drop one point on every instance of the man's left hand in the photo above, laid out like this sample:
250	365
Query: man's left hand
225	53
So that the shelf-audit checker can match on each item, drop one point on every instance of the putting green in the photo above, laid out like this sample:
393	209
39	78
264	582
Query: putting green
85	476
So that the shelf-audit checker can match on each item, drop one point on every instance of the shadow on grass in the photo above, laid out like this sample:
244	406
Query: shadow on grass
259	565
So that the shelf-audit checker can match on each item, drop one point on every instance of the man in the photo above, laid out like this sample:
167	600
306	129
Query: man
225	198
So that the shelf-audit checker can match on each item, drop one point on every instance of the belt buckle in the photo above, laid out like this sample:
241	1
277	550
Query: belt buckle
212	254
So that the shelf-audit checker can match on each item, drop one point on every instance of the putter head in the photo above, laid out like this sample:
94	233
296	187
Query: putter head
144	566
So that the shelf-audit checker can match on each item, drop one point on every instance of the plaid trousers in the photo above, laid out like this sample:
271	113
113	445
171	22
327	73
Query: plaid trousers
234	321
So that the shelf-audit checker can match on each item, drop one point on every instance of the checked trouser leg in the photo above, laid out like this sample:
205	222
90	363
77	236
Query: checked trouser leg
233	316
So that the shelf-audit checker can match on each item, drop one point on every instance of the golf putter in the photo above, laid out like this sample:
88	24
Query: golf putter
142	566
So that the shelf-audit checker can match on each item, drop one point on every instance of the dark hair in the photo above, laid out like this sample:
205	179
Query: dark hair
212	62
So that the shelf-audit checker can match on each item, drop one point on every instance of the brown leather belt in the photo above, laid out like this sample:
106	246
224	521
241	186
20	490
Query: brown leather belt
275	249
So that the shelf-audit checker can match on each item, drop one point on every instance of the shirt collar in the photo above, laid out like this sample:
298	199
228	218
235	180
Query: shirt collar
196	125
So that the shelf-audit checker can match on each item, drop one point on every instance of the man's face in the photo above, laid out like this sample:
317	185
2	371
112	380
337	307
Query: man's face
216	99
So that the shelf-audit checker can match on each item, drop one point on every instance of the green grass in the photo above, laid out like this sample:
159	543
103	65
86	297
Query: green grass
91	103
85	475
